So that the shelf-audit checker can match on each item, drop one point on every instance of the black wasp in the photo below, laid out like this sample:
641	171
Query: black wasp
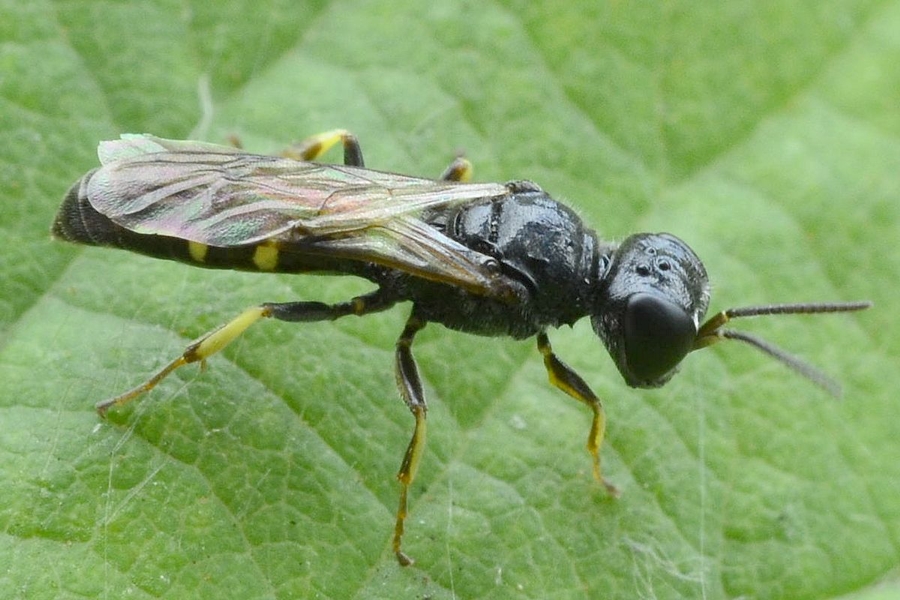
485	258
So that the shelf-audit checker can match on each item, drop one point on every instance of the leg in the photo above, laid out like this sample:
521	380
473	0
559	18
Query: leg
459	170
315	146
220	337
411	391
563	377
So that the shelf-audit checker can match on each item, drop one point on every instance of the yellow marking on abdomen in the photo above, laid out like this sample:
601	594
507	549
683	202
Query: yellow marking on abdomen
265	257
198	251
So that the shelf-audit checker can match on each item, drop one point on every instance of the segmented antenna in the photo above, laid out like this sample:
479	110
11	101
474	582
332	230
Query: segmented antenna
714	331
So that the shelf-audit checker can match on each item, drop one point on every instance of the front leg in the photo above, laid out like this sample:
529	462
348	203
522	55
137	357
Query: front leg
563	377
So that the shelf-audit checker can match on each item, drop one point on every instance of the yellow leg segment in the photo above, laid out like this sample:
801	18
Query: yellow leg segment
564	378
315	146
459	170
200	350
405	476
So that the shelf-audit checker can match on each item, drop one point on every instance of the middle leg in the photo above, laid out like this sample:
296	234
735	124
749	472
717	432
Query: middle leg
410	385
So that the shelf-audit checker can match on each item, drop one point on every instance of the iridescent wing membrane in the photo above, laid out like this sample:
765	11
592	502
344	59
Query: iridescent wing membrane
223	197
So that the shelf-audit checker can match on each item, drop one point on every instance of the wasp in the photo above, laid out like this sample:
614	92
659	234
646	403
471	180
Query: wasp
489	259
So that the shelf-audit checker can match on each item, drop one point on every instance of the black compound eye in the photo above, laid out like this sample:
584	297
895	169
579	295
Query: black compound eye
657	335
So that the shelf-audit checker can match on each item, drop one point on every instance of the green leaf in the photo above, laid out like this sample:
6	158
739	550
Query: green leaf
765	135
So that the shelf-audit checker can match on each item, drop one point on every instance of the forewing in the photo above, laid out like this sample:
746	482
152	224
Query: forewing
221	196
204	193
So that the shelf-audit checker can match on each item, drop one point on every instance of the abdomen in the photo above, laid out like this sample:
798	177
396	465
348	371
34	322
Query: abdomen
79	222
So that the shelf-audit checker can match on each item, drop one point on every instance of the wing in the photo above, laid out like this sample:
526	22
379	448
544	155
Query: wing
221	196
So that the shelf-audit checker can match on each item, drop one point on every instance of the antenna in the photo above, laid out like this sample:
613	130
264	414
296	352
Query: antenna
714	331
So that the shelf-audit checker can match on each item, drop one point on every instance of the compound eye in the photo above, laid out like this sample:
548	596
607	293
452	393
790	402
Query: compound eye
658	334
